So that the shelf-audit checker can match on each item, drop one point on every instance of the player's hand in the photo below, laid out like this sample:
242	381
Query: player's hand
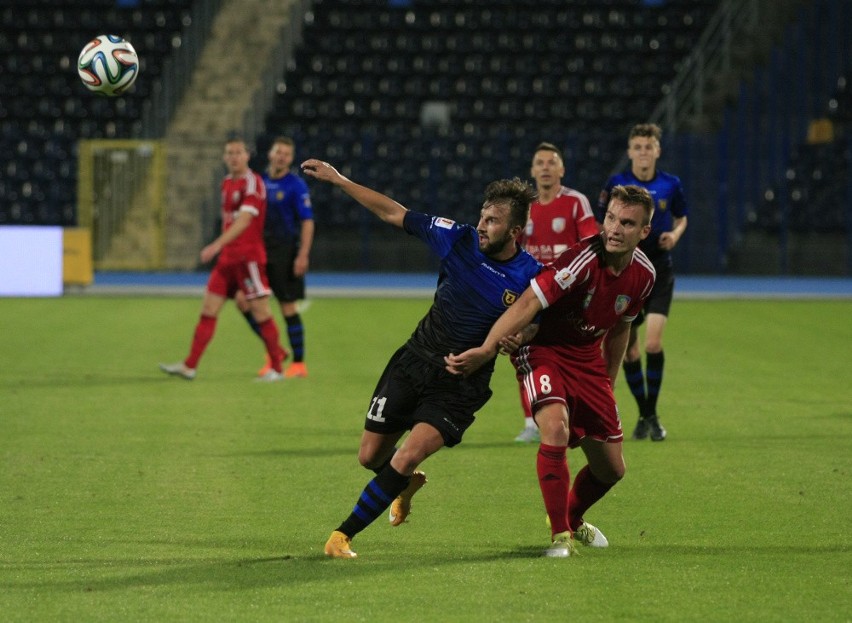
209	252
300	266
511	343
667	241
468	362
321	170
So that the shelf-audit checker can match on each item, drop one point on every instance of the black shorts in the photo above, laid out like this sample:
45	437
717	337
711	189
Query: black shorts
285	285
413	390
660	299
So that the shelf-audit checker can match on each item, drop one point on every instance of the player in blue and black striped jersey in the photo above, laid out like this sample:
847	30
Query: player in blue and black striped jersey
483	270
667	227
288	234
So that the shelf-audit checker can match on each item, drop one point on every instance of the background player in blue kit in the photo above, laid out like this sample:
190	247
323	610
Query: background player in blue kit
288	235
667	227
483	270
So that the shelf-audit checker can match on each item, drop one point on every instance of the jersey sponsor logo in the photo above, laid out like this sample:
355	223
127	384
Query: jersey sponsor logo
509	297
621	303
564	278
445	223
558	224
493	270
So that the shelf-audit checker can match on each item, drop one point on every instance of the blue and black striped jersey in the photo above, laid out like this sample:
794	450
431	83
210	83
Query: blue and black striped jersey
473	290
669	203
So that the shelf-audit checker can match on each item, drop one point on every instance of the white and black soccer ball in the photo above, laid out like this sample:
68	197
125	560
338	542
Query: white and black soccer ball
108	65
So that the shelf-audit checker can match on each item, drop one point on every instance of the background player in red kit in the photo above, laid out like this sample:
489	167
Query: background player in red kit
241	264
559	218
587	300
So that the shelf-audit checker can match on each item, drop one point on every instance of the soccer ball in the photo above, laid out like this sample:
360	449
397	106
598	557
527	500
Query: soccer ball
108	65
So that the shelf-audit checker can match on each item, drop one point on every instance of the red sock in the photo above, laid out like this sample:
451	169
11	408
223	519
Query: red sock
553	478
204	331
586	491
270	335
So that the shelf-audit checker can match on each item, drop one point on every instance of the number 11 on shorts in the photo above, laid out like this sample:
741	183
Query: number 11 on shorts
376	408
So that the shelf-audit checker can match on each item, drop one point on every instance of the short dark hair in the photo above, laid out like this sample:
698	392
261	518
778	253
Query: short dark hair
634	195
549	147
517	193
650	130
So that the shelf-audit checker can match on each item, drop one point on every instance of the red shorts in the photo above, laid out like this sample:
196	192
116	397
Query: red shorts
227	278
584	387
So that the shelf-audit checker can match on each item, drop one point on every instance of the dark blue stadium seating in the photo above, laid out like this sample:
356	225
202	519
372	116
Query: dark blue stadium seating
512	73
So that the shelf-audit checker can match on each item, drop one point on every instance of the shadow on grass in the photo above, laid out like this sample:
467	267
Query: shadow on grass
228	574
286	569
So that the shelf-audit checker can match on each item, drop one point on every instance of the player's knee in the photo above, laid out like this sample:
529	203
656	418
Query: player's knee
632	354
367	458
553	427
405	461
610	473
654	345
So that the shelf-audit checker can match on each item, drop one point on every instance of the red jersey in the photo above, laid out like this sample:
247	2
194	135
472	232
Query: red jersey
244	193
583	299
555	226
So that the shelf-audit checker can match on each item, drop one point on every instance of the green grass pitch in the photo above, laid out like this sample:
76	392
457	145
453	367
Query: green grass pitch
126	495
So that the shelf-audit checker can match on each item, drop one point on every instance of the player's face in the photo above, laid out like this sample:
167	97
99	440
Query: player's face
495	234
280	157
643	151
236	157
547	169
622	227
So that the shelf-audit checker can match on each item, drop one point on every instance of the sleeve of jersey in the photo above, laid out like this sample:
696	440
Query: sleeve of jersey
568	272
678	206
306	211
638	302
437	232
254	197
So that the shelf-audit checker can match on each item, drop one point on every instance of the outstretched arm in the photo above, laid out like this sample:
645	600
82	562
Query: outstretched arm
381	205
518	316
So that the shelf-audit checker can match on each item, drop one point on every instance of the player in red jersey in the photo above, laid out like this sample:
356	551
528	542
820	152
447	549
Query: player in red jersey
559	218
241	265
587	300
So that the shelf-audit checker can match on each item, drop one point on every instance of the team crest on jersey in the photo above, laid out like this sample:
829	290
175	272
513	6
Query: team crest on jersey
528	230
662	204
509	297
279	196
558	224
621	303
445	223
565	278
235	196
